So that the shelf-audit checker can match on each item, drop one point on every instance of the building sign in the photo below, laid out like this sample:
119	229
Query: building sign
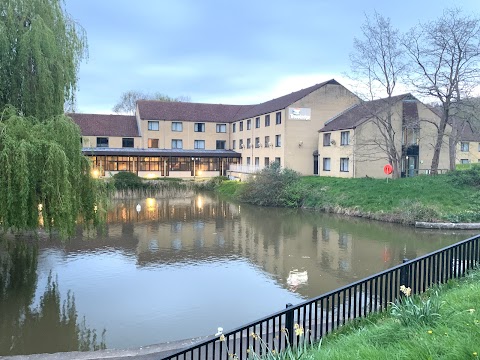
299	113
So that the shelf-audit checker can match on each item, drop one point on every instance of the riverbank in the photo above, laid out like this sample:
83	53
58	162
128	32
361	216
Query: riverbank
433	199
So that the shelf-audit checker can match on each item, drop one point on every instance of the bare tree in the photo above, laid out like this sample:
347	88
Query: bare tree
377	63
445	56
128	100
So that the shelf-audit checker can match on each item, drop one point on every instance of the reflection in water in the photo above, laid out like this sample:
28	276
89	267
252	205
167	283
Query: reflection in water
181	267
23	328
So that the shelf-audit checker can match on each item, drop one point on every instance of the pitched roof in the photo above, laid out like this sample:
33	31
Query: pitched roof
360	113
470	132
106	125
185	111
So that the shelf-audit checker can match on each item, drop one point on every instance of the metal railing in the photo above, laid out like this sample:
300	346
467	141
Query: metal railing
323	314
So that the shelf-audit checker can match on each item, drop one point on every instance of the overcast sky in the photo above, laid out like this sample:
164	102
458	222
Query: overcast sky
226	51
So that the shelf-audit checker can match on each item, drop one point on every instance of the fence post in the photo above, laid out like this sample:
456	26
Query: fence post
289	318
405	273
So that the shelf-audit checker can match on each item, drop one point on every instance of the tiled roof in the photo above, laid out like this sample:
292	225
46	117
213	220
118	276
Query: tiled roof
359	113
106	125
470	132
185	111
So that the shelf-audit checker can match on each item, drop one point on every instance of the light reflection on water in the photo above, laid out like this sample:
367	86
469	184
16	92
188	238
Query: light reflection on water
181	267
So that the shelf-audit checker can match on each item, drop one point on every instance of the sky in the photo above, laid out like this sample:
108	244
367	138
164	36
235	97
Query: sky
226	51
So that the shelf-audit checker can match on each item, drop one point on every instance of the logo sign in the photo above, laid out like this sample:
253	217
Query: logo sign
388	169
299	113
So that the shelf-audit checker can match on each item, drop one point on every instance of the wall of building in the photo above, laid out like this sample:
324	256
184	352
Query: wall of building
113	141
335	150
468	152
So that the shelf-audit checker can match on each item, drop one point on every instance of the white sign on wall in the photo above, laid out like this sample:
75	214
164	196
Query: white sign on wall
299	113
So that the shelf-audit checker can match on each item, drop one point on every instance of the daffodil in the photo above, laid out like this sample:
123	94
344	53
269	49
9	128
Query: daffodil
471	311
299	331
429	331
222	337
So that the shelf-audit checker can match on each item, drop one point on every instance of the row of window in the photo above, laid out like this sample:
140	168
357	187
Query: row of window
278	121
344	139
177	126
344	164
465	146
266	161
154	143
258	143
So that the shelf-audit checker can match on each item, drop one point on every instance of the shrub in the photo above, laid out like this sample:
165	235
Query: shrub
126	180
411	211
469	176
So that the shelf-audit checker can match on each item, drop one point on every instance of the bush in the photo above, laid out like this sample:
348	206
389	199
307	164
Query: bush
470	177
126	180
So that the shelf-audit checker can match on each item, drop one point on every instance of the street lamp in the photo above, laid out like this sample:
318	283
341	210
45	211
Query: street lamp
193	168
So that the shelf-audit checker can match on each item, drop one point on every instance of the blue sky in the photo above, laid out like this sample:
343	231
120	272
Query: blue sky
226	51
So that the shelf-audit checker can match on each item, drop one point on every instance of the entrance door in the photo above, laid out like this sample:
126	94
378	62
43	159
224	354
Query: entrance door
412	163
315	164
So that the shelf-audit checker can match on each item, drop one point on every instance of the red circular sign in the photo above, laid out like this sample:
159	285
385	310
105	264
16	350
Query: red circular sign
388	169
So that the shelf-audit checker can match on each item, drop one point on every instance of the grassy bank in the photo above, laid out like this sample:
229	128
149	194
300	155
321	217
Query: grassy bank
452	198
455	333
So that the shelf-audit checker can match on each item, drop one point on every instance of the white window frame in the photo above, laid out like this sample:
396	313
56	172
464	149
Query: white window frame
177	126
153	125
221	128
197	144
344	164
176	142
199	127
327	163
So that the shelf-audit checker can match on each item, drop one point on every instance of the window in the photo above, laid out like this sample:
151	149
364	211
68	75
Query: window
249	124
234	127
221	128
278	140
248	160
326	164
153	125
345	138
326	139
199	127
249	144
267	120
127	142
241	125
257	122
221	144
177	144
344	164
257	142
278	118
267	141
102	142
464	146
234	143
277	160
240	144
153	143
177	126
199	144
465	161
257	161
267	161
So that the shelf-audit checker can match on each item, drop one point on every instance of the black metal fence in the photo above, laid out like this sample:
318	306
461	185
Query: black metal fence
323	314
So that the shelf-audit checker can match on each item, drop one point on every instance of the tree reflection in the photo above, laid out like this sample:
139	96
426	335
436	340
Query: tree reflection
53	326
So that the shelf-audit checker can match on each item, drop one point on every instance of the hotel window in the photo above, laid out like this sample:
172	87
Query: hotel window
234	127
177	126
257	142
199	144
153	143
267	161
277	160
465	161
127	142
326	164
241	126
102	141
153	125
278	118
249	144
267	141
177	144
278	140
257	122
344	164
221	128
249	124
257	161
248	160
326	139
199	127
267	120
240	144
221	144
345	138
234	143
464	146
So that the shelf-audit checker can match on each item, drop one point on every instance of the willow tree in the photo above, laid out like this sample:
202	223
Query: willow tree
44	175
41	48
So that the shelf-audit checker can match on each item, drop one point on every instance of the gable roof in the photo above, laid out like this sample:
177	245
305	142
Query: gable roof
185	111
360	113
106	125
470	132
